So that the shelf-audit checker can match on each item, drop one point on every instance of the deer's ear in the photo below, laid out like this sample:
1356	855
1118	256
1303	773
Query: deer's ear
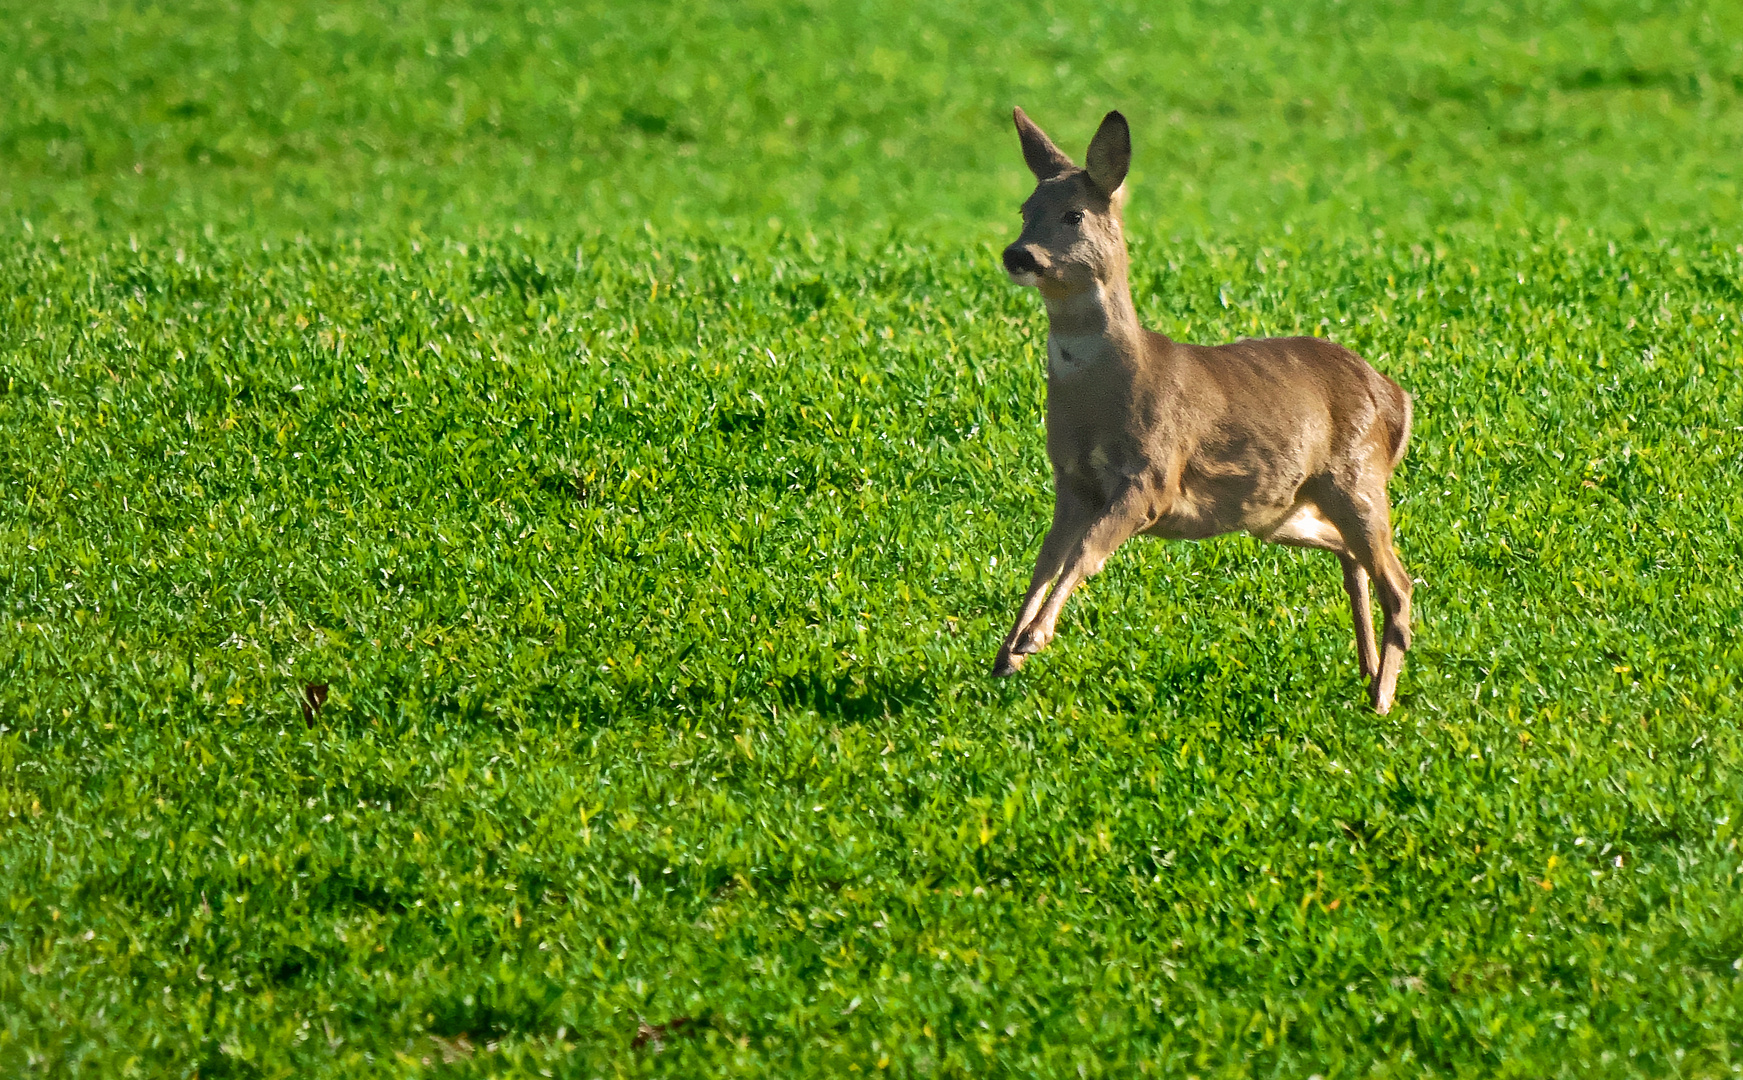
1110	153
1043	158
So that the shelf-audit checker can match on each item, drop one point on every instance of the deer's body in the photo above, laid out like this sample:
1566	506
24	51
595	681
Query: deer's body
1166	417
1291	439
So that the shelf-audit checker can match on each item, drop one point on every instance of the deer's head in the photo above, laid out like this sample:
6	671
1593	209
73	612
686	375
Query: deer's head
1072	235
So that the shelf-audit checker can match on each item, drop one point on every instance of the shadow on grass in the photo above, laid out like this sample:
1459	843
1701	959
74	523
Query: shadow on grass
845	698
527	1005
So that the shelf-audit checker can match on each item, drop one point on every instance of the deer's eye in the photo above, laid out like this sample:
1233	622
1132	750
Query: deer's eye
1075	217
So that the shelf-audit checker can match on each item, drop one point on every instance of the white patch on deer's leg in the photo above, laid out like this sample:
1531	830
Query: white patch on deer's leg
1306	527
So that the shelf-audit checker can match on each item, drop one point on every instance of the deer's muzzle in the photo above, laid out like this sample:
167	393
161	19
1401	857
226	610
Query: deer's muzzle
1022	265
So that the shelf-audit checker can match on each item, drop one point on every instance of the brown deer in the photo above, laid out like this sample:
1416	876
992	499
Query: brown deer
1292	439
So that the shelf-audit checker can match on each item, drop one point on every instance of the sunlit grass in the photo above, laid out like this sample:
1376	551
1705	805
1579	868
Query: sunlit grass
655	573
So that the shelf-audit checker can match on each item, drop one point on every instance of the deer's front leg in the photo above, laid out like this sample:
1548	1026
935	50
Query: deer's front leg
1128	512
1070	520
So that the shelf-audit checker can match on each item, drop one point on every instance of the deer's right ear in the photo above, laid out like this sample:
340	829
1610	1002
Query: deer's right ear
1043	158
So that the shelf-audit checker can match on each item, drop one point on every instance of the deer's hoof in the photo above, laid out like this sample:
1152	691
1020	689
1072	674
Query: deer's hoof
1029	642
1006	665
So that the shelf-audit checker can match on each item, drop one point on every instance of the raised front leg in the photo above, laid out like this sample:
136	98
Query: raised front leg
1127	513
1070	520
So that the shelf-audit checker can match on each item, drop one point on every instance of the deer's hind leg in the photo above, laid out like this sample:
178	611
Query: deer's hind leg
1307	527
1364	518
1361	614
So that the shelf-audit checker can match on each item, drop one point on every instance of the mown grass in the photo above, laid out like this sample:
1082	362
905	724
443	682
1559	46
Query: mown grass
656	572
1329	115
657	612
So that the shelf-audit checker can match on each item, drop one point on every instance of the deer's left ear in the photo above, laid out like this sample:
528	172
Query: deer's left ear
1110	153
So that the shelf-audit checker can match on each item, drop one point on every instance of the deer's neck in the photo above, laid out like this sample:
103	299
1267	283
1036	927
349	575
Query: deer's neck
1091	326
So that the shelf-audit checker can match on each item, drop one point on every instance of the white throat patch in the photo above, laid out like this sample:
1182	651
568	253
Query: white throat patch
1068	354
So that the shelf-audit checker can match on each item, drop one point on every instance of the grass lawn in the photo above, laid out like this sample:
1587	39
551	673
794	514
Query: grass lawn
621	412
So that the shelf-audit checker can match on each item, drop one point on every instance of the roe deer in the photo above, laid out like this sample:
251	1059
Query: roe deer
1291	439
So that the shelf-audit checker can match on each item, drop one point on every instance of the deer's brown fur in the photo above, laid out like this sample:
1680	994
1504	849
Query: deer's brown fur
1291	439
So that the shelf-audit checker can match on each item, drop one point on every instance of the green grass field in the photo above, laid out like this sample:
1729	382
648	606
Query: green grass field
622	411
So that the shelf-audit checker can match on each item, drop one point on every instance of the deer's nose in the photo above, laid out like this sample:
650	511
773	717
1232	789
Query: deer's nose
1020	260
